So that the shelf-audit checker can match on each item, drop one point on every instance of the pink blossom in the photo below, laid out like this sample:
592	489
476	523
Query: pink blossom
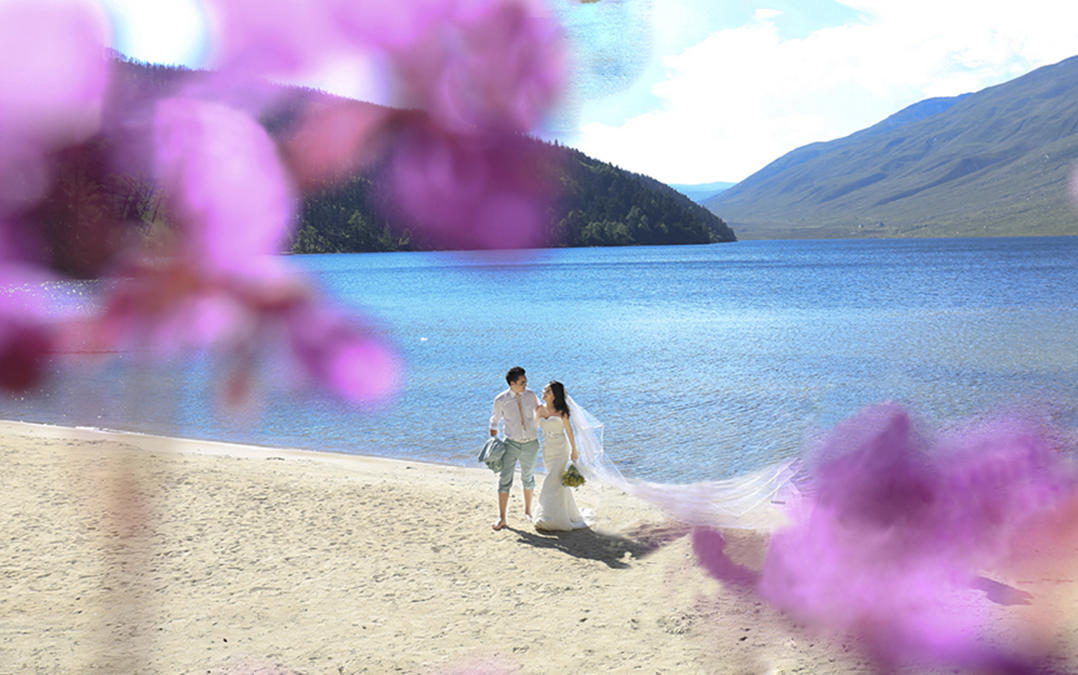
396	27
486	70
334	139
341	355
51	89
899	526
56	70
269	36
495	64
24	348
76	228
483	69
471	191
473	64
170	311
27	340
174	306
25	172
288	38
228	188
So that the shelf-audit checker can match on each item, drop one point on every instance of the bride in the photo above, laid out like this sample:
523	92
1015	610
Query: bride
557	508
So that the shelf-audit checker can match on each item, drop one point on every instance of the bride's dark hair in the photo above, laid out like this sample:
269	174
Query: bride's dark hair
558	389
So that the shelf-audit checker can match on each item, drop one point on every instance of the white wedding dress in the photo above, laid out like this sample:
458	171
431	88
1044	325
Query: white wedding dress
754	501
557	508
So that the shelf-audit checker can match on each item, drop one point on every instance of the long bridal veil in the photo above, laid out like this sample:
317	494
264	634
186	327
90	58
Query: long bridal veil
752	501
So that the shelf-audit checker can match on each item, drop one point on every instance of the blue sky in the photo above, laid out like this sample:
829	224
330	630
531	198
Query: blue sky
695	91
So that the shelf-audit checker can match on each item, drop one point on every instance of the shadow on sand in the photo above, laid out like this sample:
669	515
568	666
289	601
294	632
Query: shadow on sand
614	550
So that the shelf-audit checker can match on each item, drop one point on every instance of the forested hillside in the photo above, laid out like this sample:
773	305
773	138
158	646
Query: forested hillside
604	205
599	205
596	204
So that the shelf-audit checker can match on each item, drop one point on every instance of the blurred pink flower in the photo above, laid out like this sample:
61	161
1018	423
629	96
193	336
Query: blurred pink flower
24	348
899	526
170	308
51	89
495	65
11	244
471	191
26	339
25	172
213	159
486	70
174	306
395	27
342	356
225	182
77	229
483	69
288	38
54	93
333	140
261	37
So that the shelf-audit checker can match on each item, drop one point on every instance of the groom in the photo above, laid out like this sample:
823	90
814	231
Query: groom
516	408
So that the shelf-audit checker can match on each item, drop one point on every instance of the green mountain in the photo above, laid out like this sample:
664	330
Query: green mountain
603	205
599	204
991	163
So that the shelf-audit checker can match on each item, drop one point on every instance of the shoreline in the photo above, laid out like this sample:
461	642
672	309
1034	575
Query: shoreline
233	448
129	552
199	446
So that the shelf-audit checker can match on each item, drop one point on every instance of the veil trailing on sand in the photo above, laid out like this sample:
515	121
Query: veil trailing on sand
753	501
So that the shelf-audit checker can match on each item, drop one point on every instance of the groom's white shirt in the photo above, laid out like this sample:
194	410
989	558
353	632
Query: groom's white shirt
506	408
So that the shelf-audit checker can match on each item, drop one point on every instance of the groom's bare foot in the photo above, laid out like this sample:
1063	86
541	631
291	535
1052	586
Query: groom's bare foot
528	516
498	524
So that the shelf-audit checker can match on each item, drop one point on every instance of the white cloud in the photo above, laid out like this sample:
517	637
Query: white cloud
743	97
159	31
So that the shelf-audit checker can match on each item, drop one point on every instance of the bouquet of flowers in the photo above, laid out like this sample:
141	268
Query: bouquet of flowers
572	477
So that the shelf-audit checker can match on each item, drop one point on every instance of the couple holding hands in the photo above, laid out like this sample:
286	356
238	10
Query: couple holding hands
521	415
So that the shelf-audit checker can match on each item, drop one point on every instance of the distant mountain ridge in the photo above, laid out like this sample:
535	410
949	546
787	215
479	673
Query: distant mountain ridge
701	192
989	163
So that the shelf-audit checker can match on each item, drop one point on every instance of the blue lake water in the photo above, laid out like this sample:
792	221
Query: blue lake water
703	361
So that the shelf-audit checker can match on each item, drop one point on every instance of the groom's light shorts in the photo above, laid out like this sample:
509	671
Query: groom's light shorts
526	453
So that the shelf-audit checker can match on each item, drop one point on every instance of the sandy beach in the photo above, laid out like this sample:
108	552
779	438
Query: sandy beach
134	553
